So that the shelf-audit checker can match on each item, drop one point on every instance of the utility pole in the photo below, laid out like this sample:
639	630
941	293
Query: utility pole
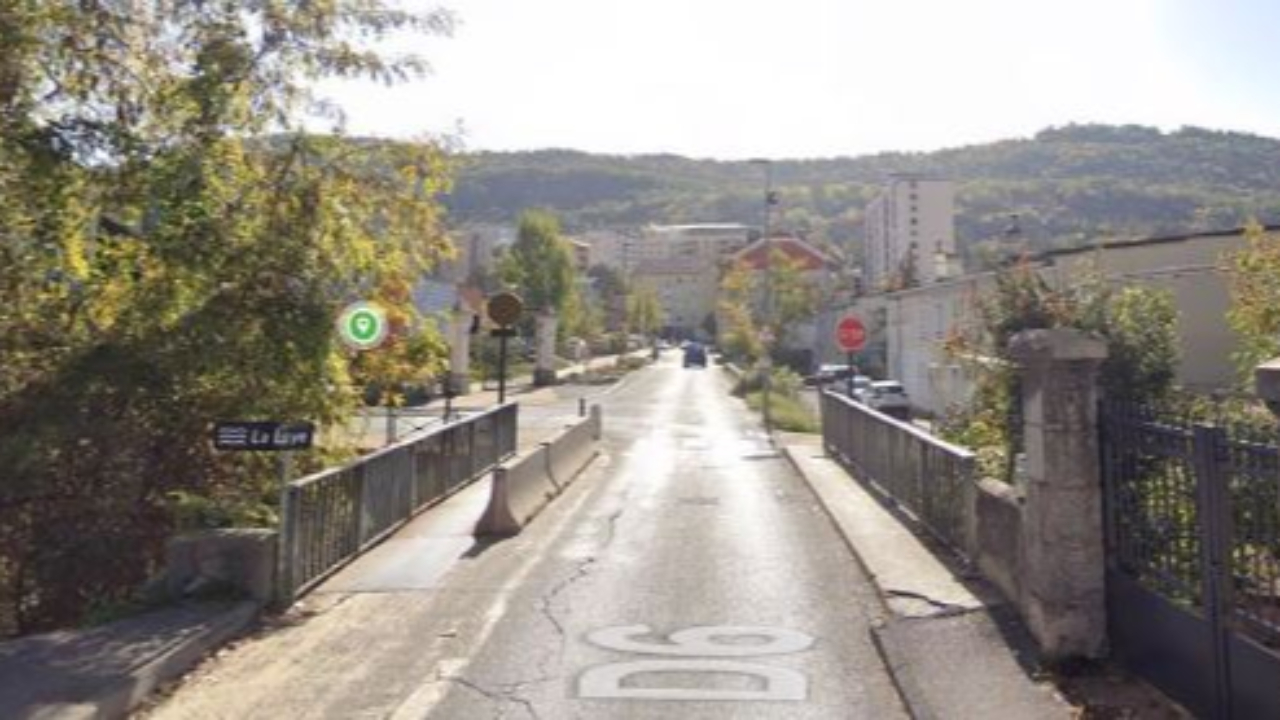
767	338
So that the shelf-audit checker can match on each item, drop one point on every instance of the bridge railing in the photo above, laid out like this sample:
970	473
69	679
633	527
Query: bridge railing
334	515
928	477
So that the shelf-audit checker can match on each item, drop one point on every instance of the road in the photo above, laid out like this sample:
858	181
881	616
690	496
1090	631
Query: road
690	573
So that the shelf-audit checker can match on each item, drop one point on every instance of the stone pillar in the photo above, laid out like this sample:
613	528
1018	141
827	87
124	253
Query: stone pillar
544	372
1063	591
460	352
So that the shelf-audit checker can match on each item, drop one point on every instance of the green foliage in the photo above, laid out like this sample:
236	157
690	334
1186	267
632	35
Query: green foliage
785	413
773	301
644	311
540	263
165	264
1068	185
1138	323
1255	300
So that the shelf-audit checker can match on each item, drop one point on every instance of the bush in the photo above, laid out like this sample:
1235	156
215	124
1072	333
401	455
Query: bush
785	413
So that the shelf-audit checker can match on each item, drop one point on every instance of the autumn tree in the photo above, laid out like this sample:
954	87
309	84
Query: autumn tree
1254	274
173	251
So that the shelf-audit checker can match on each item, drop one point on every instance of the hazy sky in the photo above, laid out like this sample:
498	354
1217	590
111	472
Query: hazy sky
821	78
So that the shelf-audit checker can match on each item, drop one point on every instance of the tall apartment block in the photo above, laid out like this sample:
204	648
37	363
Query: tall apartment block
910	234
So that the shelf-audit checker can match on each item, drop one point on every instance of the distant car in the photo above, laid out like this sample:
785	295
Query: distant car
888	397
827	374
695	354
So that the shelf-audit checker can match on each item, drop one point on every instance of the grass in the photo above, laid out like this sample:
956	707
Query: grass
787	413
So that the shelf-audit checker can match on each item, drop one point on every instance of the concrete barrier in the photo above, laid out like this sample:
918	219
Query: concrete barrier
523	486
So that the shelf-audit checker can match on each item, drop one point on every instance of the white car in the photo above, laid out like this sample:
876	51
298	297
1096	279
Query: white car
887	396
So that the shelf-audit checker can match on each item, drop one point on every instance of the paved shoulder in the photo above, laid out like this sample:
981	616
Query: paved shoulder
955	652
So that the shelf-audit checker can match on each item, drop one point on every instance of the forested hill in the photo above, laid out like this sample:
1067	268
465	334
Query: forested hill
1068	185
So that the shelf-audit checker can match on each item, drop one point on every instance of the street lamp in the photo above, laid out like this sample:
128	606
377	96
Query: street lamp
766	339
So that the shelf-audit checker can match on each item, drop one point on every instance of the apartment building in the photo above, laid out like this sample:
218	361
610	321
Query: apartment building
686	290
910	234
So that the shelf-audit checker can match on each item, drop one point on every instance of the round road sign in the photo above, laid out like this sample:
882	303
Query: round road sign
505	308
851	334
362	325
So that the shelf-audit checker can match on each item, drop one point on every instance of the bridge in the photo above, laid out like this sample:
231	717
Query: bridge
673	560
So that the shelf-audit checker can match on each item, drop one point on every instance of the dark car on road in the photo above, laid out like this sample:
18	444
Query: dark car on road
695	354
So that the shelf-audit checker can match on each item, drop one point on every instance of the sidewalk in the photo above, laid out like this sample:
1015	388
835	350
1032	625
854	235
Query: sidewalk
955	650
368	430
955	647
106	671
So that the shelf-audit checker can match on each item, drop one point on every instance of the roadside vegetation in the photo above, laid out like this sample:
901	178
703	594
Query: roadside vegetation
174	250
1138	323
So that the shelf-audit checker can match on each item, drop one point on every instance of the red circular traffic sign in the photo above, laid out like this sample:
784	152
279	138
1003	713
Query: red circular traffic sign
851	334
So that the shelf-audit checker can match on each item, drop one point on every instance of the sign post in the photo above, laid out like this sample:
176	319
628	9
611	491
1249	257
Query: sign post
284	438
504	310
851	337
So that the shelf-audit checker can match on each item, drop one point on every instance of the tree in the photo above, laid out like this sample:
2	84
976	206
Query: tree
540	262
1254	277
772	300
644	311
1138	323
611	288
173	253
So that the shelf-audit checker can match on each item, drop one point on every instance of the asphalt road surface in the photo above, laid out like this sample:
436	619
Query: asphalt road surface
689	573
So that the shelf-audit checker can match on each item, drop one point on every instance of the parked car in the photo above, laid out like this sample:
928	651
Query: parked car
888	397
828	373
695	354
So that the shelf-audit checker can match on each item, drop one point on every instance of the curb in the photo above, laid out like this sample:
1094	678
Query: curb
122	694
932	622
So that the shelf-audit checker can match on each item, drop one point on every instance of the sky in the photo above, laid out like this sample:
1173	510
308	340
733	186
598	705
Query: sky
735	79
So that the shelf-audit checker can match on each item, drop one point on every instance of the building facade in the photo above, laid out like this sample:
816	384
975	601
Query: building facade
908	328
910	234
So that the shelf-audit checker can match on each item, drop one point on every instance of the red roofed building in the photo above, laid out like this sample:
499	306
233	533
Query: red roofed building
817	269
807	257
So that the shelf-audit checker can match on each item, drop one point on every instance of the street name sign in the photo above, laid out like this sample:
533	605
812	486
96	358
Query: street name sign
851	334
263	436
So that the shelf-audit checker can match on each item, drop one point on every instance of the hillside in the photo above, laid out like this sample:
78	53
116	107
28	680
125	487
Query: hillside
1068	185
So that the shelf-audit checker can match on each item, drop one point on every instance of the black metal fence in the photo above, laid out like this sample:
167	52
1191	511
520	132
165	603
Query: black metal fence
332	516
1193	566
930	478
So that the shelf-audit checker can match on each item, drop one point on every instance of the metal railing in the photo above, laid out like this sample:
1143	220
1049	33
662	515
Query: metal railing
332	516
1180	492
926	476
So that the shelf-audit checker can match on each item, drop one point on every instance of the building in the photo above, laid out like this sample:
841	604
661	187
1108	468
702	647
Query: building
608	247
686	290
910	234
907	328
581	255
707	242
817	270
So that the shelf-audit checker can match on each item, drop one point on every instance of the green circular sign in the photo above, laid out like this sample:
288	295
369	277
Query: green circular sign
362	325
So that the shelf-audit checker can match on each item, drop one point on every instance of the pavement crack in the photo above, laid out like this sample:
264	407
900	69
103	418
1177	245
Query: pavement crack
503	697
545	602
947	609
611	526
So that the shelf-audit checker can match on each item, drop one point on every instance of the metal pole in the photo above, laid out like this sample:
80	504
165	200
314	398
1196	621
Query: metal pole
285	540
502	366
849	369
768	299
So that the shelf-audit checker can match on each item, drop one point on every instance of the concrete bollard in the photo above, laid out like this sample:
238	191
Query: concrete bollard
497	519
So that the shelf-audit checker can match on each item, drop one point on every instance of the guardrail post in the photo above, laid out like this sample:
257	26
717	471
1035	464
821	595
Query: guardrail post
287	547
1064	599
